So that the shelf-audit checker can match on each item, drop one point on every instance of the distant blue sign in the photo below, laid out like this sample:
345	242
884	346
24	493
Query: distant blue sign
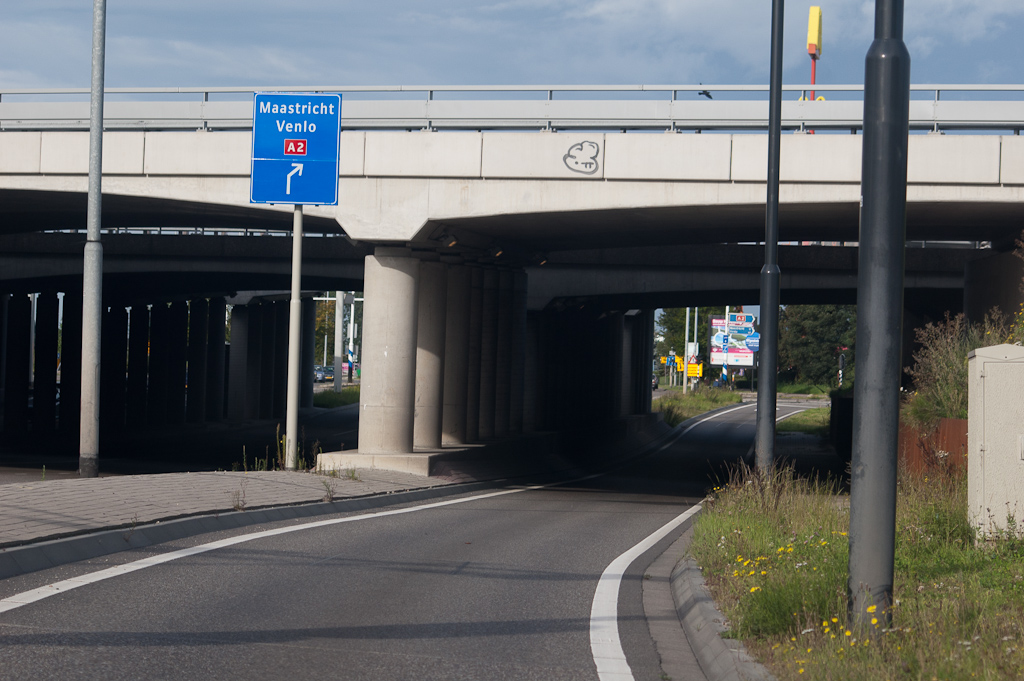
295	141
753	341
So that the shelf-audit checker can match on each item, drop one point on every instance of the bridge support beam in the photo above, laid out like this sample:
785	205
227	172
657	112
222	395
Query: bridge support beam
4	301
474	353
253	361
456	351
432	303
387	394
215	360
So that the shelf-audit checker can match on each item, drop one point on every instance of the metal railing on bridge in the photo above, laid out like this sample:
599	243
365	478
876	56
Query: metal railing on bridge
987	108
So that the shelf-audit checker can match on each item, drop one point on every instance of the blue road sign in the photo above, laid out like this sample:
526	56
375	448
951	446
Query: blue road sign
295	140
753	342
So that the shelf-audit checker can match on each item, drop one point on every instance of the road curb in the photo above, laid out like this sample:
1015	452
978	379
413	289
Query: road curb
720	659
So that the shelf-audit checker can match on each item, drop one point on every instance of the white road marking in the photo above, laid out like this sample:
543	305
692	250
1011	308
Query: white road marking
605	645
717	414
26	597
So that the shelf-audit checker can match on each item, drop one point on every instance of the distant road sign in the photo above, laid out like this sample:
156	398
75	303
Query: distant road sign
753	342
295	140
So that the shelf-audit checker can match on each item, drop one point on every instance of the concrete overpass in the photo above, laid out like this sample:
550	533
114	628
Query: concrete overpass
464	199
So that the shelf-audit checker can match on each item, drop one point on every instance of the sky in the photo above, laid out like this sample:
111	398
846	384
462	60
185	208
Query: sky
150	43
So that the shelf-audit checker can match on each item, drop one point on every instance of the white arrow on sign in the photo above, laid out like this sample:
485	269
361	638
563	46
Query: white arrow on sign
296	168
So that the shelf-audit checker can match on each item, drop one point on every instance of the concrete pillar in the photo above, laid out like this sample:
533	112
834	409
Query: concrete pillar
533	379
71	366
627	377
456	351
281	359
138	367
476	293
215	360
503	355
387	397
648	358
254	362
432	303
517	363
177	368
19	349
159	363
198	356
307	359
4	300
237	388
488	353
44	394
114	363
268	373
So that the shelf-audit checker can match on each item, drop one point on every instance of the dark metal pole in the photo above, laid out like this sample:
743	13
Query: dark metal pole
879	318
770	273
92	265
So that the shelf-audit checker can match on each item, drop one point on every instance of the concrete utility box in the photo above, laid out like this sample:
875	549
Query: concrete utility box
995	438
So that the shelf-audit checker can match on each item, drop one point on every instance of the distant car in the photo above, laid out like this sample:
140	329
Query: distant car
654	381
318	374
329	373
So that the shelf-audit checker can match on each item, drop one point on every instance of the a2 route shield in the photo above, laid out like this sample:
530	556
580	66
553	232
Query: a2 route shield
295	140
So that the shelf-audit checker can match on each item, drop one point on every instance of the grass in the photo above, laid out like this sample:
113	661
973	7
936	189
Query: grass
680	406
802	389
775	558
330	399
811	421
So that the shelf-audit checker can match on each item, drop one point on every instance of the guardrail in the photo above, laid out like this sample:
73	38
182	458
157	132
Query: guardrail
512	107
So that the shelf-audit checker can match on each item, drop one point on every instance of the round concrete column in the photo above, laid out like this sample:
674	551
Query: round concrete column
114	360
44	399
281	364
138	366
215	360
19	349
198	355
307	357
503	363
430	332
177	370
476	292
488	353
159	327
518	361
269	359
388	370
70	366
456	351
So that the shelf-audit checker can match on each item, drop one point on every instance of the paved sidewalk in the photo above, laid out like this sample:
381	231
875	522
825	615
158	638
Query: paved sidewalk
40	510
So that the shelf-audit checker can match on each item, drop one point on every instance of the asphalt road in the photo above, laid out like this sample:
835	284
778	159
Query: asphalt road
492	587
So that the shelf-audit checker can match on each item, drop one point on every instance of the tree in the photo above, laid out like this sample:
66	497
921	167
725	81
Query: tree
672	326
811	338
325	316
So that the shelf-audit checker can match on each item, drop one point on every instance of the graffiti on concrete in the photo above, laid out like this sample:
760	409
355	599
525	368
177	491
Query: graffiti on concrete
582	158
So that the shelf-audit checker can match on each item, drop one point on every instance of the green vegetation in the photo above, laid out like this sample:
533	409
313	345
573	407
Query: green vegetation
811	338
775	558
802	389
680	406
330	399
940	366
810	421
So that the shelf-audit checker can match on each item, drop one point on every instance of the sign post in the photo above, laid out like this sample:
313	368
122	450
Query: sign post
295	142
